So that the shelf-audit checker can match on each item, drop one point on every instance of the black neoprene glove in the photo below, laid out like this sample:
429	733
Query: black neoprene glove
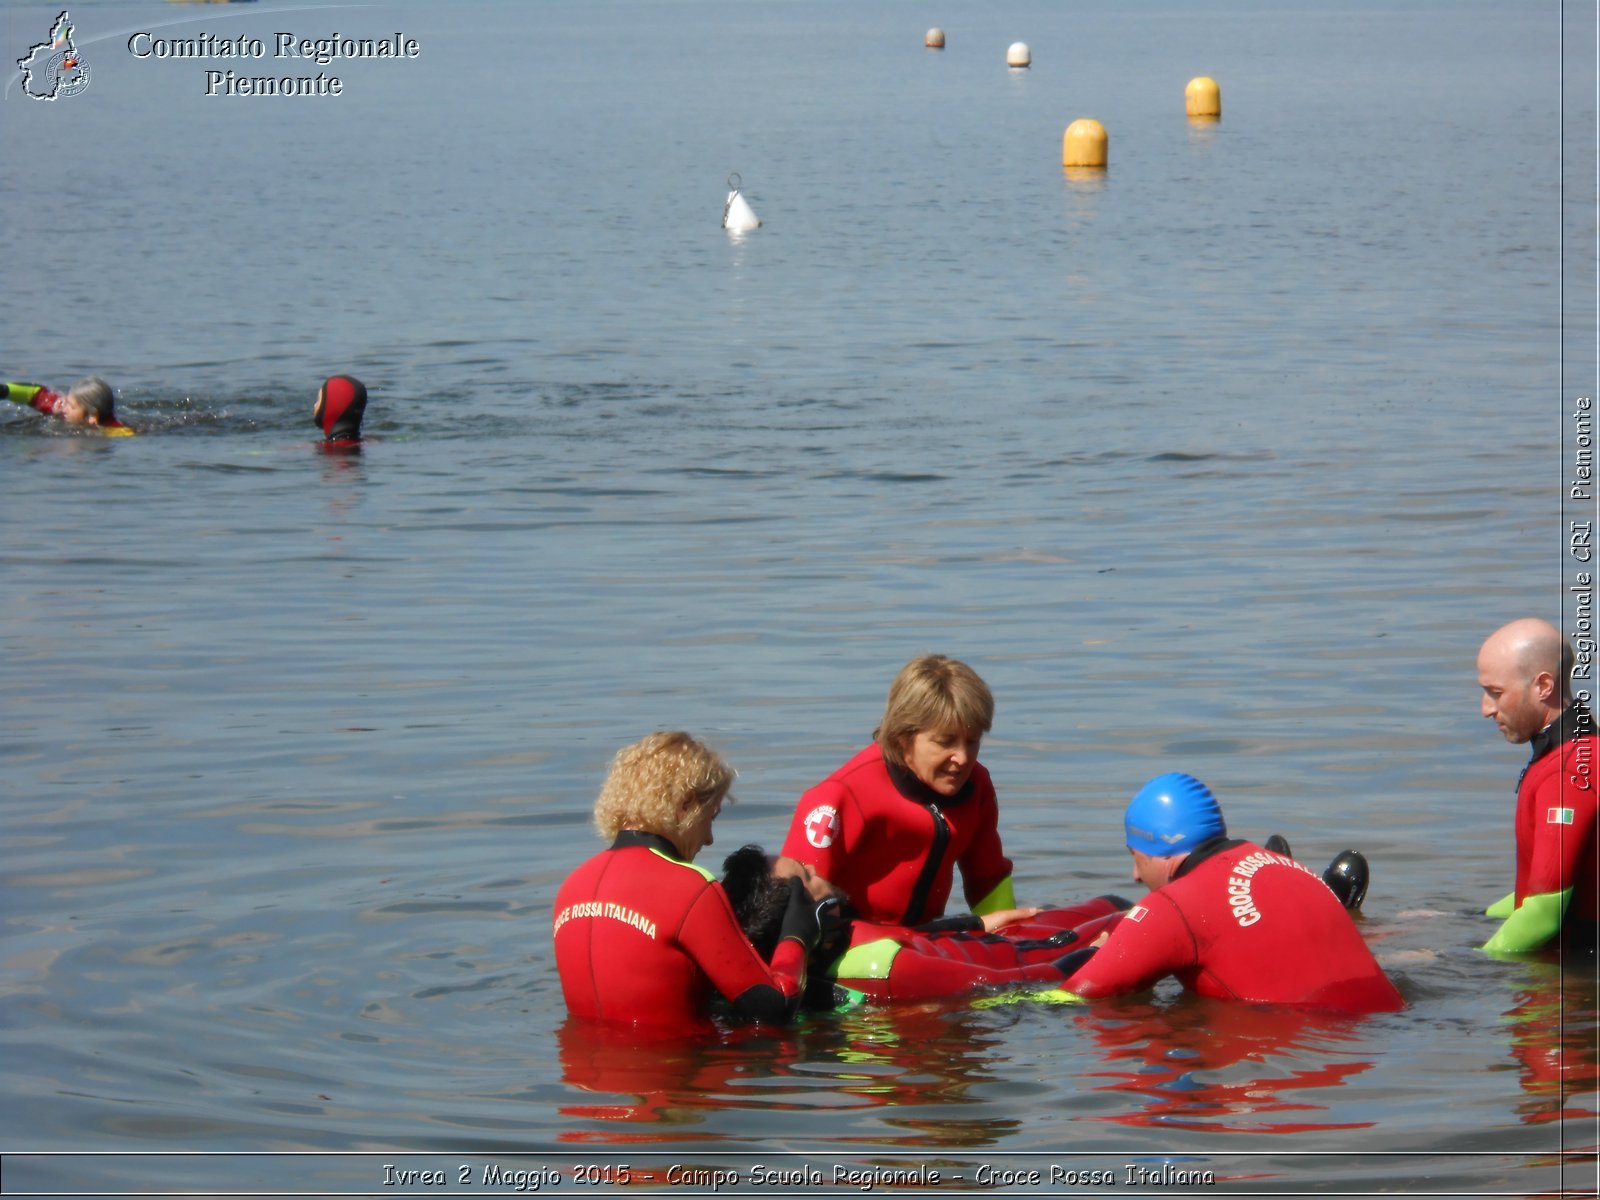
834	938
800	918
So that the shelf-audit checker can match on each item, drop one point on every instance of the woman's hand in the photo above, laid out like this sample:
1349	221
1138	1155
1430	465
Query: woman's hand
1001	917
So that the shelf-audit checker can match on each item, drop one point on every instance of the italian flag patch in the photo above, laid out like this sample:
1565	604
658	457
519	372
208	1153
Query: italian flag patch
1558	816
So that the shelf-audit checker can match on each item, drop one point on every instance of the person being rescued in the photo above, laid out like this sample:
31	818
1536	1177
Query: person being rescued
857	960
89	402
642	935
1229	918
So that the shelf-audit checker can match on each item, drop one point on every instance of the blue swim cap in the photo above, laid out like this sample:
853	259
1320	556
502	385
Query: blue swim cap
1172	814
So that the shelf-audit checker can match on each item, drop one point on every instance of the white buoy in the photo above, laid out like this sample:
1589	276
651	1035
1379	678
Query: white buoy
737	215
1018	55
934	39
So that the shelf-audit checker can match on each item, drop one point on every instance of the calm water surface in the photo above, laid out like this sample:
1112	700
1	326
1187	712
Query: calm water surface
1223	461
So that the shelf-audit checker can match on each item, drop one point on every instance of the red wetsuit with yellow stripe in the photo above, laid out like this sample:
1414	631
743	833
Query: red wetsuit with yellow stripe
644	938
893	844
1558	876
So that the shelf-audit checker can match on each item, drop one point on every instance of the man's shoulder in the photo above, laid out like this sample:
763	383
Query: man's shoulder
1153	907
1576	760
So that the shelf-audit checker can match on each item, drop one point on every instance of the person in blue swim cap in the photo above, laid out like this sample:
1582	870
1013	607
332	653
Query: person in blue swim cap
1229	918
1170	816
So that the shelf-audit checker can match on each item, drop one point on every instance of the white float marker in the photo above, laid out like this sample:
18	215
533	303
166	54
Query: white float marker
737	215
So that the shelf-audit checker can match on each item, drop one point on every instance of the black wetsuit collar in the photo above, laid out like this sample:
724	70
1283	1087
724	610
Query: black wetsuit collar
908	785
1575	721
650	841
1204	851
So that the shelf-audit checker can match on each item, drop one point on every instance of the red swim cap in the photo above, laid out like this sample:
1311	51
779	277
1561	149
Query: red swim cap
344	400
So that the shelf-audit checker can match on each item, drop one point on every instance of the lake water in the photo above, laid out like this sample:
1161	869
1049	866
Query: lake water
1222	460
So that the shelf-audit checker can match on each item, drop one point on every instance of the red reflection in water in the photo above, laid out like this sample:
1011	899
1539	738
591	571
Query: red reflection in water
658	1077
1554	1031
1213	1065
1195	1063
904	1059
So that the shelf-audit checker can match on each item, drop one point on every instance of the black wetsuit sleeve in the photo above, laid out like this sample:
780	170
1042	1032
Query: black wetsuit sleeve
1071	962
960	923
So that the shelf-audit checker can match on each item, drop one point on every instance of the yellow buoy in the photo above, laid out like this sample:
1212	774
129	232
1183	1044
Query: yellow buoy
1084	144
1203	98
1017	55
934	39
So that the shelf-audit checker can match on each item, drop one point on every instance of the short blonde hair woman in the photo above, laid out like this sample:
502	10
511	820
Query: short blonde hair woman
932	692
891	826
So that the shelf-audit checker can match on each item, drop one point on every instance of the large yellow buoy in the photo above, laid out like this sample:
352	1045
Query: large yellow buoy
934	39
1203	98
1018	56
1084	144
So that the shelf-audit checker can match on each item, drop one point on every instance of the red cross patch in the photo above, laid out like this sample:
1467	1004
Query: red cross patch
822	826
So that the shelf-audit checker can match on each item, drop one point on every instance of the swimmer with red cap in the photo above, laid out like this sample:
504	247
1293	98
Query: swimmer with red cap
341	401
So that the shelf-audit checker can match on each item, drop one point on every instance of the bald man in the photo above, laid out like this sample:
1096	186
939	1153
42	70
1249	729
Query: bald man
1525	670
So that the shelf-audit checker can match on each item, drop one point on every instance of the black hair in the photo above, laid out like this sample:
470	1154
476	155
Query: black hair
759	900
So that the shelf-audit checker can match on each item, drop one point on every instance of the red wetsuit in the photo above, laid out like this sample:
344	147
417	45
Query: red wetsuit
1241	923
42	399
892	843
890	962
1558	877
645	938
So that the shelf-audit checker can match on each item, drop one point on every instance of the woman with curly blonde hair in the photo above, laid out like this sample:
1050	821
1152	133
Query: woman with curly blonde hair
667	783
644	936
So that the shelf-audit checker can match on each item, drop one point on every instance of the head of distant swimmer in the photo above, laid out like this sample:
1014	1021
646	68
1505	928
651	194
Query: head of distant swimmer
88	402
341	402
668	784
